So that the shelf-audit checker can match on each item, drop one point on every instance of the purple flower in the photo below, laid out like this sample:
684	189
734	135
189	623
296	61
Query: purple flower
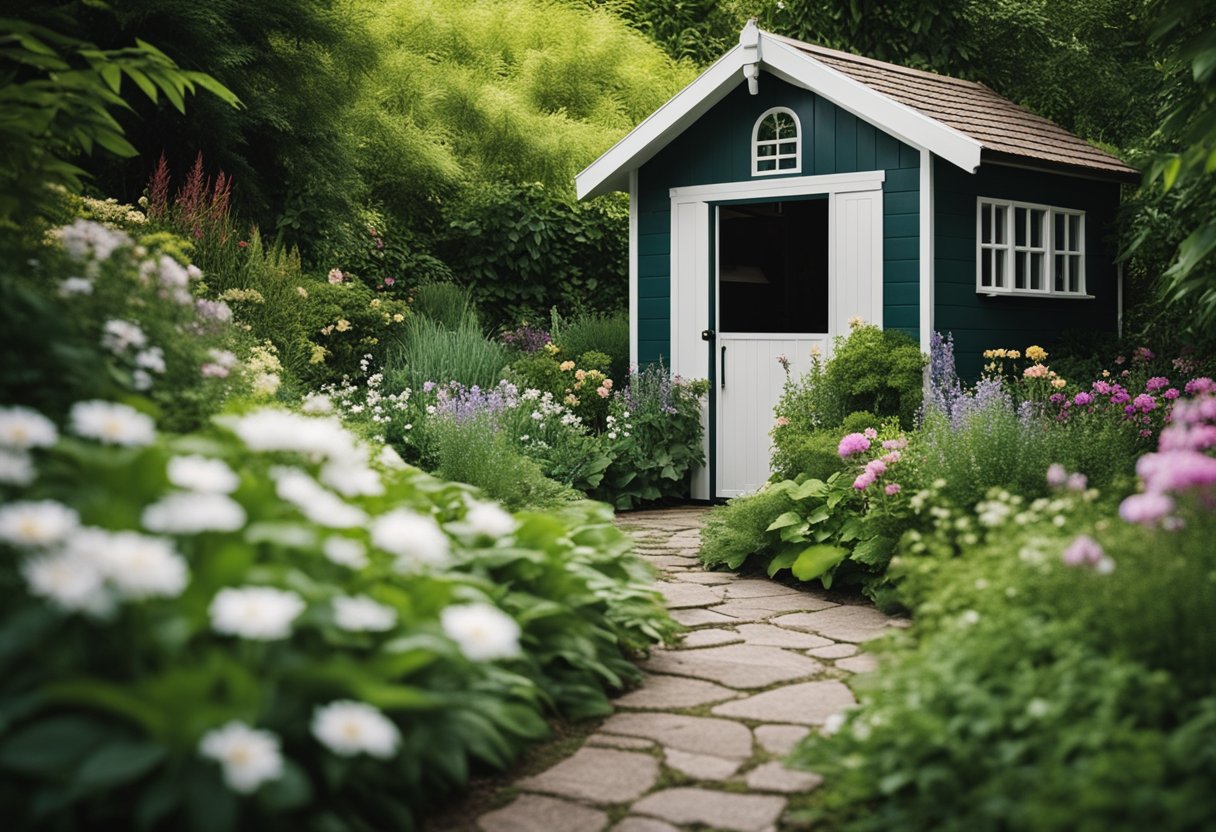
1102	388
876	467
894	444
1171	394
1082	399
1146	509
1144	403
1143	355
864	480
428	386
1057	398
854	443
1056	475
1085	551
1077	482
870	433
1175	471
892	488
1203	384
1156	383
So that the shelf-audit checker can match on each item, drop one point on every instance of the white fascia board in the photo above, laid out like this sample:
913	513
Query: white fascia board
610	172
887	114
926	252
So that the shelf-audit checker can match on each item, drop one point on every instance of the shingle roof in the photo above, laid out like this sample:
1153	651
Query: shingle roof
973	109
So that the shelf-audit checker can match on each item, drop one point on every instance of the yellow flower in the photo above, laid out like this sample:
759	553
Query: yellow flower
1058	383
816	351
375	304
856	321
1036	353
318	354
1106	374
301	291
551	348
566	366
989	353
398	318
1014	354
343	325
580	374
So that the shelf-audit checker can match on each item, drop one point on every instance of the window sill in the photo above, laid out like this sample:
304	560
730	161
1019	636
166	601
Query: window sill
1044	295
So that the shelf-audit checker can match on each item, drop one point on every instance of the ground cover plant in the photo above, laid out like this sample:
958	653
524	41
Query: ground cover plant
260	619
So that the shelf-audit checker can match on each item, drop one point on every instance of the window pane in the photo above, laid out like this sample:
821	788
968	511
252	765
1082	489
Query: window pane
1019	226
999	220
787	163
768	129
785	124
986	267
1019	275
1061	273
1036	272
1074	273
986	223
766	150
1060	224
787	148
1036	229
766	164
1001	254
1074	232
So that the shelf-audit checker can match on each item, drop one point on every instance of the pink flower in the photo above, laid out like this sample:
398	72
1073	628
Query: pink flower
864	480
1146	509
1156	383
782	421
1082	399
892	457
1203	384
1144	403
1102	388
1143	355
870	433
1056	475
892	488
1171	394
602	392
1120	359
1179	470
336	276
210	370
894	444
1077	482
876	467
1085	551
389	281
854	443
1035	371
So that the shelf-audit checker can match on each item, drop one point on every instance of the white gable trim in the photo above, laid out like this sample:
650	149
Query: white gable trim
610	172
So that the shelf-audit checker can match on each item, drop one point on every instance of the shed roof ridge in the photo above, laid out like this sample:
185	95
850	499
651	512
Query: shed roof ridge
806	46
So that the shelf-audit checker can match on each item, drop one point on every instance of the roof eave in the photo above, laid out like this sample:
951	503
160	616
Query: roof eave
1126	176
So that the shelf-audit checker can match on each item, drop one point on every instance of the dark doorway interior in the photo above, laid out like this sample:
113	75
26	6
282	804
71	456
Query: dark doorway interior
773	266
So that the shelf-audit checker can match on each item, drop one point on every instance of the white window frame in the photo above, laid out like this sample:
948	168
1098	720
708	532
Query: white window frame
1011	251
778	156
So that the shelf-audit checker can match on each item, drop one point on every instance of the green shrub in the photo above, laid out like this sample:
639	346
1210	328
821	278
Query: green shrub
429	351
813	454
878	370
607	334
475	452
444	303
736	531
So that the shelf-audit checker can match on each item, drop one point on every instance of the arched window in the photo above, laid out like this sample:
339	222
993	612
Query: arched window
776	144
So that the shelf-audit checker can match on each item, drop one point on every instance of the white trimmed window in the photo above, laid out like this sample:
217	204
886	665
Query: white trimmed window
1029	249
776	143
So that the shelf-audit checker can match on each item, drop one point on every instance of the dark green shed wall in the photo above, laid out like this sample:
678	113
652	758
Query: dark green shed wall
717	148
979	322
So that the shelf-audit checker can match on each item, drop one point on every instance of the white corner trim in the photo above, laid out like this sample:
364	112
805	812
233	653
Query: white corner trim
900	120
868	180
633	268
609	171
926	250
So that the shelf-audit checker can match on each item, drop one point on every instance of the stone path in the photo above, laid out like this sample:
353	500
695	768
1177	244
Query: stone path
700	743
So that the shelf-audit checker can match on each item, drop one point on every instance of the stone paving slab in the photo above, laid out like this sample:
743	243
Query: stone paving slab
613	741
635	824
533	812
751	588
698	617
674	693
774	777
780	739
735	665
842	623
833	651
702	766
766	635
695	734
809	703
863	663
598	775
718	810
710	638
709	578
678	594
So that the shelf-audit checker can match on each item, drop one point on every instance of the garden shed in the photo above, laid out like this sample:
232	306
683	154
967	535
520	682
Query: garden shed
791	188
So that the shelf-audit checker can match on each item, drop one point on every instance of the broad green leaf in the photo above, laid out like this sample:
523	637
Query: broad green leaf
808	489
790	518
52	746
813	561
782	560
117	763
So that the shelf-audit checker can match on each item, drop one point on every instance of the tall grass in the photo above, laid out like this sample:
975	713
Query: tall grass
608	334
444	303
430	351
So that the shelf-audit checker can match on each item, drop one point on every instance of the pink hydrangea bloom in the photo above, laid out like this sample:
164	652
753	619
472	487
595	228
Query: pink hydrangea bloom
892	488
1082	399
1085	551
1203	384
876	467
1171	394
870	433
894	444
864	480
1102	388
1156	383
1077	482
892	457
854	443
1056	475
1146	509
1144	403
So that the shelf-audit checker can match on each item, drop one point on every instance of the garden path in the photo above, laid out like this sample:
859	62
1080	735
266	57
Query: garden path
700	743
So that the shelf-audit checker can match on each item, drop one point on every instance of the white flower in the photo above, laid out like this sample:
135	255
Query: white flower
16	468
23	428
37	524
1038	708
200	473
249	756
412	537
75	286
69	580
190	512
317	403
152	359
362	614
272	429
112	423
483	632
490	520
348	728
86	239
137	566
265	384
141	380
832	724
223	358
969	617
320	506
352	479
118	336
194	272
389	457
172	274
345	552
261	613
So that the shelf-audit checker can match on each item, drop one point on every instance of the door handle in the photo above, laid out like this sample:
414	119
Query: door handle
722	367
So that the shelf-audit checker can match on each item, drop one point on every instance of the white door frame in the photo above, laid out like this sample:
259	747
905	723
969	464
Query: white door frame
694	268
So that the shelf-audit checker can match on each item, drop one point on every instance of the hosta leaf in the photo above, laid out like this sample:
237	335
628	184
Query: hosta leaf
814	561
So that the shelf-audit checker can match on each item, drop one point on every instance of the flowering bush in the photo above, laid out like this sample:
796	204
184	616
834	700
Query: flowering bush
269	620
